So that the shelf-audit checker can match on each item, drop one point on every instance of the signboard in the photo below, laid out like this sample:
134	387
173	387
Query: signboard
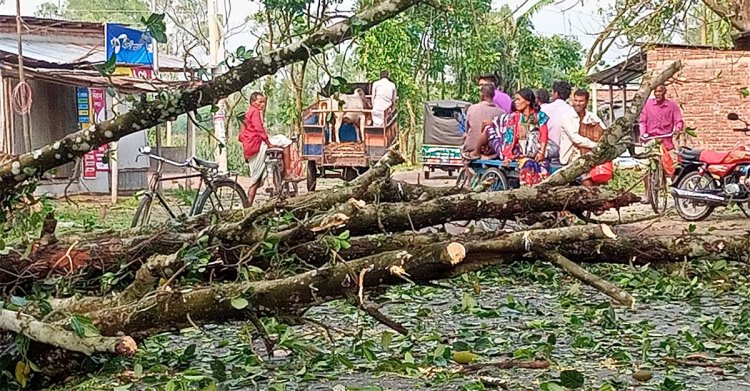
140	72
99	106
92	109
131	46
143	73
98	103
82	97
89	166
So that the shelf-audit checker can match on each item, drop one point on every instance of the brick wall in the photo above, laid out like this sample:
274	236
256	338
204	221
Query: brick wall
707	89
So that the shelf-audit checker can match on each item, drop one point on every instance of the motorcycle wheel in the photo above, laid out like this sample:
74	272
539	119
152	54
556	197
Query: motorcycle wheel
692	210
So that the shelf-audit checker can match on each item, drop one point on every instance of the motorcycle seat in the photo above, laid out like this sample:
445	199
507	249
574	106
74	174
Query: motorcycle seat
690	155
712	157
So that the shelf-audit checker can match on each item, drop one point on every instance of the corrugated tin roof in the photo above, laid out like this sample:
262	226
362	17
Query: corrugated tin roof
60	53
89	78
73	53
622	73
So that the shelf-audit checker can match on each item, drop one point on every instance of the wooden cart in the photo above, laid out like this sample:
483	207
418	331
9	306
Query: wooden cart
349	152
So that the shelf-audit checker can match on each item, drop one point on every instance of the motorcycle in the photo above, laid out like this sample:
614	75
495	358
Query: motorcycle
706	179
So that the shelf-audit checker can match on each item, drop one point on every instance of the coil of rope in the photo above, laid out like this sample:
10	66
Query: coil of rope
22	98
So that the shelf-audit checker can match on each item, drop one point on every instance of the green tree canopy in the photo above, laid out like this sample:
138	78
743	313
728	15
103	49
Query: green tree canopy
120	11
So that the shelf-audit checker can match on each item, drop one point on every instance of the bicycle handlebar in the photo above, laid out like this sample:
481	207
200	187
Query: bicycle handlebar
646	137
146	151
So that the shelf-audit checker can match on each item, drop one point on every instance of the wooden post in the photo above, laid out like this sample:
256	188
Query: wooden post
624	97
189	145
4	135
611	104
168	135
362	122
10	121
159	152
22	79
594	101
114	183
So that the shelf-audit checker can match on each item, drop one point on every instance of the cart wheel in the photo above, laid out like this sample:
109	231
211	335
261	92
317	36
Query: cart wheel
349	174
312	175
426	175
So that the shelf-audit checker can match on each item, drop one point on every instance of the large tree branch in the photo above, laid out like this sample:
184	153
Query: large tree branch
721	9
145	115
54	335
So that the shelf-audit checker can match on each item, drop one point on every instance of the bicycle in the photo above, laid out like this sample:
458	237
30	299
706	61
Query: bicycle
215	184
275	168
657	187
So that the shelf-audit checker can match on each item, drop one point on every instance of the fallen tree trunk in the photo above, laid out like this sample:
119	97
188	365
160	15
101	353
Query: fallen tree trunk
360	219
421	263
292	294
93	255
107	254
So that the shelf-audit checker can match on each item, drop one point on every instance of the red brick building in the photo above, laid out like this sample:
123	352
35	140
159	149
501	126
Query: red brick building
707	88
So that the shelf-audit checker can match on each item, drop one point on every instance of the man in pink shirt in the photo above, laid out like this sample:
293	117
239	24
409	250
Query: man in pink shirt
661	116
501	99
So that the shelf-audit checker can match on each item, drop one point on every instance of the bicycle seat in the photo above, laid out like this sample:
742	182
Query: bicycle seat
206	163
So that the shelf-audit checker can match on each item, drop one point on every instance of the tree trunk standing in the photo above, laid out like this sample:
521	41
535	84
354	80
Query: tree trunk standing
299	90
411	135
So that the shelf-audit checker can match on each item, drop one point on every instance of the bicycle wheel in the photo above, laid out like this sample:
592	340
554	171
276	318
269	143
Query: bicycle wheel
312	175
461	179
222	195
658	192
143	212
500	183
277	178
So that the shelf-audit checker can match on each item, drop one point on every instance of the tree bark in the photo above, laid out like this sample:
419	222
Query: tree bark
584	276
736	12
57	336
387	218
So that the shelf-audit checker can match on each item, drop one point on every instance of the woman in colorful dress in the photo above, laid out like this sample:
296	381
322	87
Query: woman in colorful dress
523	136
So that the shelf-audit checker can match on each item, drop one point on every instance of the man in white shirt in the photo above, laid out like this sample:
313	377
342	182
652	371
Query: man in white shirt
563	125
383	97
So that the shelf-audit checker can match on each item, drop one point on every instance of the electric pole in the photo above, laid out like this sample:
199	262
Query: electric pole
216	56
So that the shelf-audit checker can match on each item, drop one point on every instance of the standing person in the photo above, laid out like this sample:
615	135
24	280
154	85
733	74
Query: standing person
383	98
661	116
590	126
564	125
477	116
523	136
501	99
255	142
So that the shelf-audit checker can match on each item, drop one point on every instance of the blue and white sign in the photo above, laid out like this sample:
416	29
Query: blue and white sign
131	46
